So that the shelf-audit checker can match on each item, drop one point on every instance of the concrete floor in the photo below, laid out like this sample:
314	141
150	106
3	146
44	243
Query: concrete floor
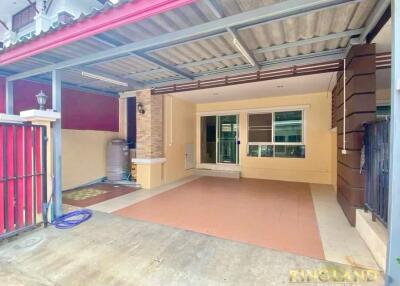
111	250
342	243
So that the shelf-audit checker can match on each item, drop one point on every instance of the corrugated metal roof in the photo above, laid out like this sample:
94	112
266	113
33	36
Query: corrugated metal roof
321	23
201	50
26	64
78	49
125	65
185	55
216	53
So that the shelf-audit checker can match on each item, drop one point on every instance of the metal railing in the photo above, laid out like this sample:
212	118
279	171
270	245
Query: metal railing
376	142
23	185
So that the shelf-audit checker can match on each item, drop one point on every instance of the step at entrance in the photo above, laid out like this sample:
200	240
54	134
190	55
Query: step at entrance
217	173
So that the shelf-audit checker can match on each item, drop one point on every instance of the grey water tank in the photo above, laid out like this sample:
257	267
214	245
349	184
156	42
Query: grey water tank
117	160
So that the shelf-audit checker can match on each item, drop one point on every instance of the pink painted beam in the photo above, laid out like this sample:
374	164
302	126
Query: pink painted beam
130	12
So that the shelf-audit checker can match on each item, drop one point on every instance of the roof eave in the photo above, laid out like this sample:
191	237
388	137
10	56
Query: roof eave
129	12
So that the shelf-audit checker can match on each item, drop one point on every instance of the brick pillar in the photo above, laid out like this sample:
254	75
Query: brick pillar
360	108
149	132
149	139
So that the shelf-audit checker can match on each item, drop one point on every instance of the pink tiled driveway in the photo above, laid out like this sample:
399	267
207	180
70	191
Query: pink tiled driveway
272	214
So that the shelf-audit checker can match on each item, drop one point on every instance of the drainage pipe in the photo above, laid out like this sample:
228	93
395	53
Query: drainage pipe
344	150
171	119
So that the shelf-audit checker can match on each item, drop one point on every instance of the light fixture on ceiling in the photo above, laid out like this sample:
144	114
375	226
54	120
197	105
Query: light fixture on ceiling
103	78
114	1
244	52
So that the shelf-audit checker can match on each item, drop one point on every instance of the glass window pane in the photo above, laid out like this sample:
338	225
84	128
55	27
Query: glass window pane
228	126
227	145
291	132
253	151
290	151
383	111
288	116
208	139
288	126
267	151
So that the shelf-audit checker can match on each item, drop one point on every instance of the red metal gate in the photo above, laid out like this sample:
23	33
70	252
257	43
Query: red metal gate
22	177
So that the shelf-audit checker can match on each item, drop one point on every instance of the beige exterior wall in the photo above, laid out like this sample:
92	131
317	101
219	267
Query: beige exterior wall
319	166
383	96
150	175
49	163
83	156
179	130
315	168
334	155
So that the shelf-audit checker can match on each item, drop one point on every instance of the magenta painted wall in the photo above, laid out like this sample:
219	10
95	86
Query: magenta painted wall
80	110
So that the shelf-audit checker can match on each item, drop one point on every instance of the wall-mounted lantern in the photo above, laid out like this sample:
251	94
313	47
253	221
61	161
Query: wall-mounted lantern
140	108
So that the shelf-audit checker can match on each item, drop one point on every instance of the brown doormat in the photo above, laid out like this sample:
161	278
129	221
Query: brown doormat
94	194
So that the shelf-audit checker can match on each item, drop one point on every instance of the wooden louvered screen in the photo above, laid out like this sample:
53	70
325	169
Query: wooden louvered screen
24	17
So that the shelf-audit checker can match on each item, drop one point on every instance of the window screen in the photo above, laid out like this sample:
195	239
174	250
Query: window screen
260	127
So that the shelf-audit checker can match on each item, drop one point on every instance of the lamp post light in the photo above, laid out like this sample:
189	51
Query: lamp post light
41	98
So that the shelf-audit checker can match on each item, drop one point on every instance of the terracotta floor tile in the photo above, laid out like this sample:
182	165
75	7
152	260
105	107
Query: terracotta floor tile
271	214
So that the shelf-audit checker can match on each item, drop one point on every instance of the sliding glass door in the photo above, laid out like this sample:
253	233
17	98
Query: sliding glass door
219	139
227	139
208	139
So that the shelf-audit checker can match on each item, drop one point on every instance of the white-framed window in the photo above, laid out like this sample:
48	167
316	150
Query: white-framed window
383	110
276	134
